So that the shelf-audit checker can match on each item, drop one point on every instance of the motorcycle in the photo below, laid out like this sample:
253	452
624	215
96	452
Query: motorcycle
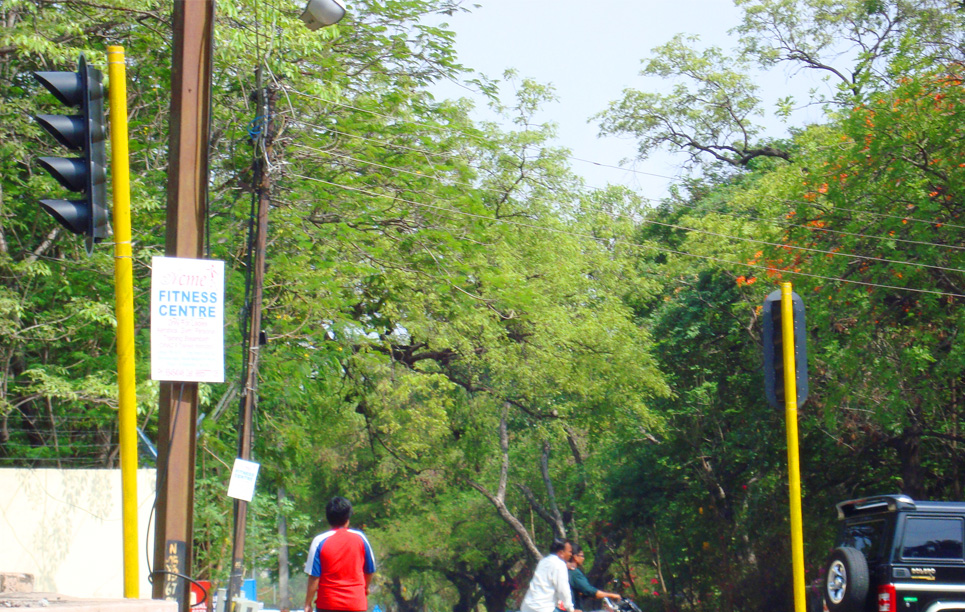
624	605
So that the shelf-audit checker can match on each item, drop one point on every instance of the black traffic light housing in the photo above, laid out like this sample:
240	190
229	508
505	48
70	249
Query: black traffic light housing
774	350
86	133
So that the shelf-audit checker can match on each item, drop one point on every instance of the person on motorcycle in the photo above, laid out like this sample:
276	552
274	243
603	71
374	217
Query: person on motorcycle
549	587
583	591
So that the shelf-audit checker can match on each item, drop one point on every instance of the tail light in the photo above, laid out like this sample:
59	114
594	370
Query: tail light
887	598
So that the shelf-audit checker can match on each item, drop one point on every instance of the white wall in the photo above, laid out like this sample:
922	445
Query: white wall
64	527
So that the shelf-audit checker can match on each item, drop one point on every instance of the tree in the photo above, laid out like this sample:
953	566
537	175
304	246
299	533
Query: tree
57	397
856	213
863	47
711	113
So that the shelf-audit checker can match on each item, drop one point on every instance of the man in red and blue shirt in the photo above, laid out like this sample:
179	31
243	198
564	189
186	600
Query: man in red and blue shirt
340	564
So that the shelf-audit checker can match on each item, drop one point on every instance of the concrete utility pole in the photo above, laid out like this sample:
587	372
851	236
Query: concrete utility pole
253	340
186	212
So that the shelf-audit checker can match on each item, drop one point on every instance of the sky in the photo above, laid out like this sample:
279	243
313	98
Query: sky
590	51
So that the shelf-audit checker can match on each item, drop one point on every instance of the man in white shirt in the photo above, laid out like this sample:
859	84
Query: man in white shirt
550	585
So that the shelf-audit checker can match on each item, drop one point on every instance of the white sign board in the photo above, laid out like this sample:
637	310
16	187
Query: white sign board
187	319
243	476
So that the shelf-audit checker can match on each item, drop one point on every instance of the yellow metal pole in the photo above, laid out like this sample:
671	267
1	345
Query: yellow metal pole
793	455
124	297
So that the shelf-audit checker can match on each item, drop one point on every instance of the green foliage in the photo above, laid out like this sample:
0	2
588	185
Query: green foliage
710	113
861	215
433	282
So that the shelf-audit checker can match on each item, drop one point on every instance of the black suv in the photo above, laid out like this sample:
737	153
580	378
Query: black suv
895	554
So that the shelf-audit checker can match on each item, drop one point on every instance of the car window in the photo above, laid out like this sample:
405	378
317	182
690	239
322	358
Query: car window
932	538
866	537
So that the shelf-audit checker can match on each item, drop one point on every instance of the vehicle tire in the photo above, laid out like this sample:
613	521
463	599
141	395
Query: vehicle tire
846	580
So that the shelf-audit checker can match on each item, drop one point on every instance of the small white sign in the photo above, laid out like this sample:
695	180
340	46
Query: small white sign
243	476
187	319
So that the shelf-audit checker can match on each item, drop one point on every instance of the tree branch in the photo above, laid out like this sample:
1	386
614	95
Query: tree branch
498	499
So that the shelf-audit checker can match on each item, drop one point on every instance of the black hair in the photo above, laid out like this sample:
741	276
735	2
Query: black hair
338	511
577	549
558	545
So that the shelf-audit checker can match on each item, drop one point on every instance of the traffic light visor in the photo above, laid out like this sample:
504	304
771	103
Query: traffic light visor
72	214
71	172
66	86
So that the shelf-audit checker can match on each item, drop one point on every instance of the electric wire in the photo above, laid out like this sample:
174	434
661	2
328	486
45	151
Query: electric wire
161	477
669	225
905	218
74	461
436	155
621	168
381	143
482	141
806	249
204	591
396	169
69	417
71	445
534	226
475	137
432	126
817	229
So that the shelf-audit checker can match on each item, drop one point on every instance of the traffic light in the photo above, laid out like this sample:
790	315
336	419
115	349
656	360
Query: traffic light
774	350
86	133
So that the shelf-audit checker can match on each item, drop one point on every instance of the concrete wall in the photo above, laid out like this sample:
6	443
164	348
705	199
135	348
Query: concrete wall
64	527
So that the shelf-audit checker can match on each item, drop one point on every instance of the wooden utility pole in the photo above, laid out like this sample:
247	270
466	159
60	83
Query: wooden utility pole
186	212
249	396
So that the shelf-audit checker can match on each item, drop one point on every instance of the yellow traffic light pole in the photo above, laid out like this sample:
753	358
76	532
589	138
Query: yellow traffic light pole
124	297
793	455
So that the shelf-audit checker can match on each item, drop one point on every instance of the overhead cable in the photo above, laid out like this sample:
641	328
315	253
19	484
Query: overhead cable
676	226
479	139
629	243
